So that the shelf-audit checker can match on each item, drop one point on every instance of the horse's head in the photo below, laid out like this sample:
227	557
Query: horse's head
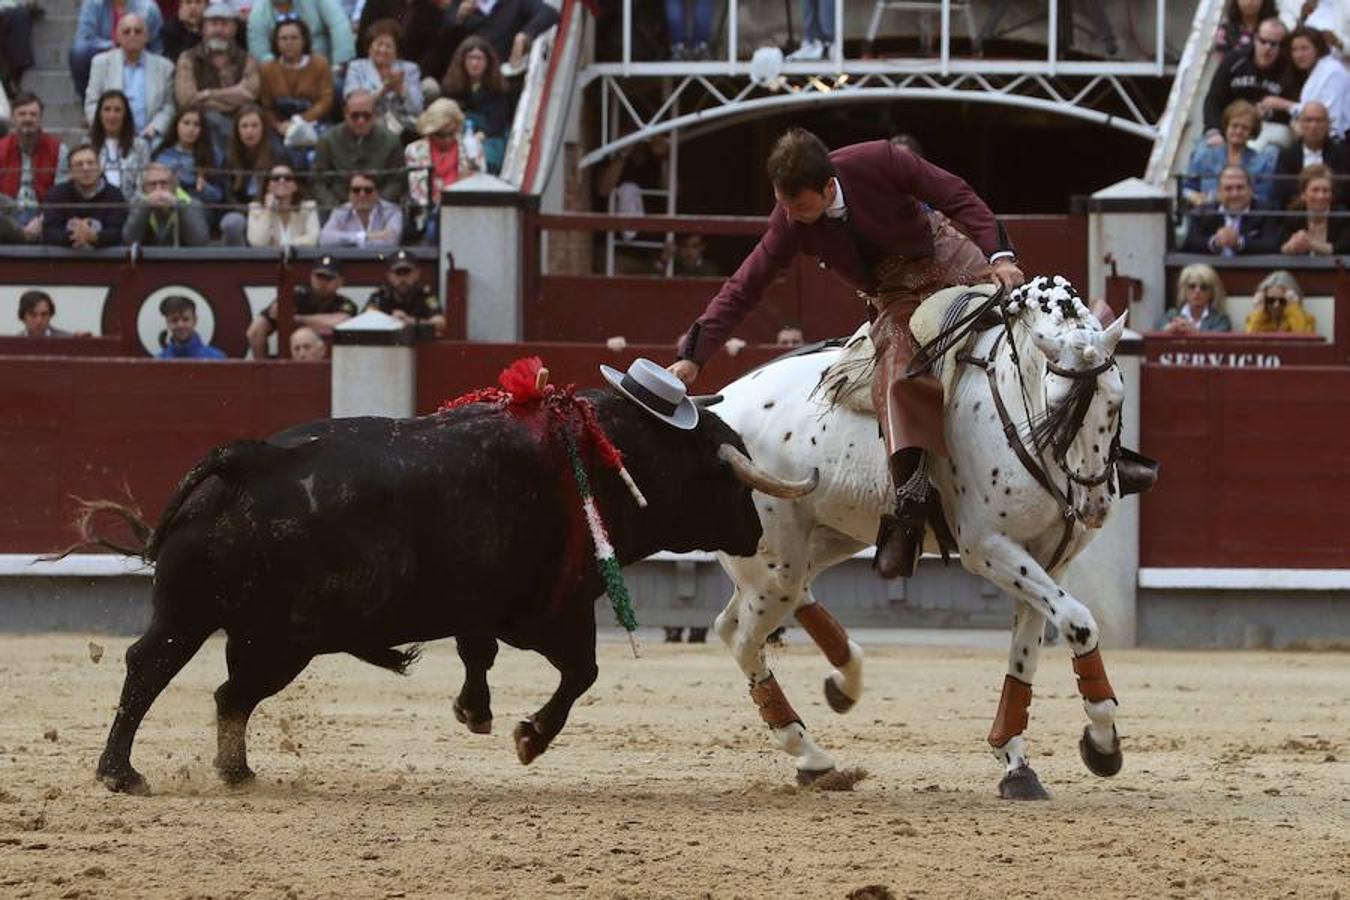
1084	392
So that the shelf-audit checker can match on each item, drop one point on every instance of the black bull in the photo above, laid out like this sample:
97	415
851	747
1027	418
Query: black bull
359	535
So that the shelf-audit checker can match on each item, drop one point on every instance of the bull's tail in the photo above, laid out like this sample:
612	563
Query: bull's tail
85	513
390	658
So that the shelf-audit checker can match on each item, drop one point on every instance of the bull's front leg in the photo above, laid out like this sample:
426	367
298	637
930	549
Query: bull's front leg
473	706
570	647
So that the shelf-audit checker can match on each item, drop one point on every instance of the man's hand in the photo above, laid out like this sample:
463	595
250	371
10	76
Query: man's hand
684	369
465	10
1006	274
1227	236
1214	138
32	232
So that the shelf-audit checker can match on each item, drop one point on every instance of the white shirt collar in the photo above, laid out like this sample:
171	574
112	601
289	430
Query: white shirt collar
837	209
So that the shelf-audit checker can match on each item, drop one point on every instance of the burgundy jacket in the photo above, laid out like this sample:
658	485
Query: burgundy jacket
885	188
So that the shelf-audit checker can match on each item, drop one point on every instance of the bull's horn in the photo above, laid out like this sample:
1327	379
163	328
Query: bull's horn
753	476
703	401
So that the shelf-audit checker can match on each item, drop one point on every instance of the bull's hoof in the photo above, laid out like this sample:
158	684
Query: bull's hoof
529	742
475	723
1099	763
125	781
235	775
806	777
838	700
1021	784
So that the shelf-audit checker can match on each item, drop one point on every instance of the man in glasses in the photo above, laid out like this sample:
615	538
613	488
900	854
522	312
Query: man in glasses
217	74
359	144
1252	74
365	220
1235	227
319	306
1315	146
165	215
86	211
96	31
146	78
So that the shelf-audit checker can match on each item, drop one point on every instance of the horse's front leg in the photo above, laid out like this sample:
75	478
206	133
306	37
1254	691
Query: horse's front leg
1007	736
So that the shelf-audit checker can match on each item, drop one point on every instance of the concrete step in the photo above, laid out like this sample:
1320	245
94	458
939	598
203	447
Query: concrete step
54	86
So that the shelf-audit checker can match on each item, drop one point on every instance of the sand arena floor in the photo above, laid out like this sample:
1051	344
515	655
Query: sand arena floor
1236	782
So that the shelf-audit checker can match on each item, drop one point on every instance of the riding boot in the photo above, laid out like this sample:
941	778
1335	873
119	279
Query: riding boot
900	537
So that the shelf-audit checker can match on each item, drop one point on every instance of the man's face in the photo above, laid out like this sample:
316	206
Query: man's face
1234	192
181	325
691	251
404	278
38	318
306	346
219	33
131	36
808	205
190	13
1267	44
360	114
363	194
324	285
1314	125
27	119
157	178
84	169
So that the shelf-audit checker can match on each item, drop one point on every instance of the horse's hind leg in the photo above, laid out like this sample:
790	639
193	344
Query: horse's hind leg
1006	737
151	663
473	706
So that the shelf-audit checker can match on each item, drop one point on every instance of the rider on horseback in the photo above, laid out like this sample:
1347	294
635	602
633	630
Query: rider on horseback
896	229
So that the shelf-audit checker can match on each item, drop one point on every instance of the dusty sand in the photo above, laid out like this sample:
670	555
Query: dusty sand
1236	782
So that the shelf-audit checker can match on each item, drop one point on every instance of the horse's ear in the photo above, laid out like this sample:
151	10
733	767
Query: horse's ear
1046	344
1113	332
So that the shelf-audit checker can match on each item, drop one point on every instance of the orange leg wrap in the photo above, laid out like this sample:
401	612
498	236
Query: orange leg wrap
774	708
1013	710
826	631
1092	683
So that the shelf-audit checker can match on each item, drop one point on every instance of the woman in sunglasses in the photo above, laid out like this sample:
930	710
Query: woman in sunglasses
1199	303
365	220
284	218
1278	307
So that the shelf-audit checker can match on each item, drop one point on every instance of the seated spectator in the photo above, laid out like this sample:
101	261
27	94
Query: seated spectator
16	45
1237	29
1278	307
187	150
420	21
319	306
1231	228
1312	231
790	336
510	26
164	214
86	211
817	31
365	220
689	259
1200	299
122	154
1241	122
144	78
217	75
689	25
95	31
307	346
359	144
36	310
395	83
329	28
439	159
284	218
405	297
254	151
183	31
632	170
180	320
296	82
1252	74
474	81
1324	76
1314	147
31	162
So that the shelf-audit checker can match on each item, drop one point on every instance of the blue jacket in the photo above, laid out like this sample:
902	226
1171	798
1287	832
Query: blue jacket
1207	162
94	28
193	349
329	26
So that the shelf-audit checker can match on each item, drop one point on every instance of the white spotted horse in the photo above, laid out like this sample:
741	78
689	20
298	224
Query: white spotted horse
1033	418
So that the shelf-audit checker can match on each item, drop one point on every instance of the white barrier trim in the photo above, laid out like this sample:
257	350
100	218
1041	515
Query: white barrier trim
77	565
1246	579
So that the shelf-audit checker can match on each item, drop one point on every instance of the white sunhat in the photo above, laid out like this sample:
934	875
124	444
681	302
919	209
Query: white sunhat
656	390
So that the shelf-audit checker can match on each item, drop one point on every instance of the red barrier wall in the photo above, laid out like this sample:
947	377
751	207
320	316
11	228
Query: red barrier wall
1253	467
90	426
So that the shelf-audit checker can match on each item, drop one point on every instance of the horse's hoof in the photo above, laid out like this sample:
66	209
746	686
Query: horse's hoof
838	700
235	775
529	742
126	781
1099	763
474	723
806	777
1021	784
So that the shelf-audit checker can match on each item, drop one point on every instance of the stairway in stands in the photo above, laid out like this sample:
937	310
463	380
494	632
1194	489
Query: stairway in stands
50	76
